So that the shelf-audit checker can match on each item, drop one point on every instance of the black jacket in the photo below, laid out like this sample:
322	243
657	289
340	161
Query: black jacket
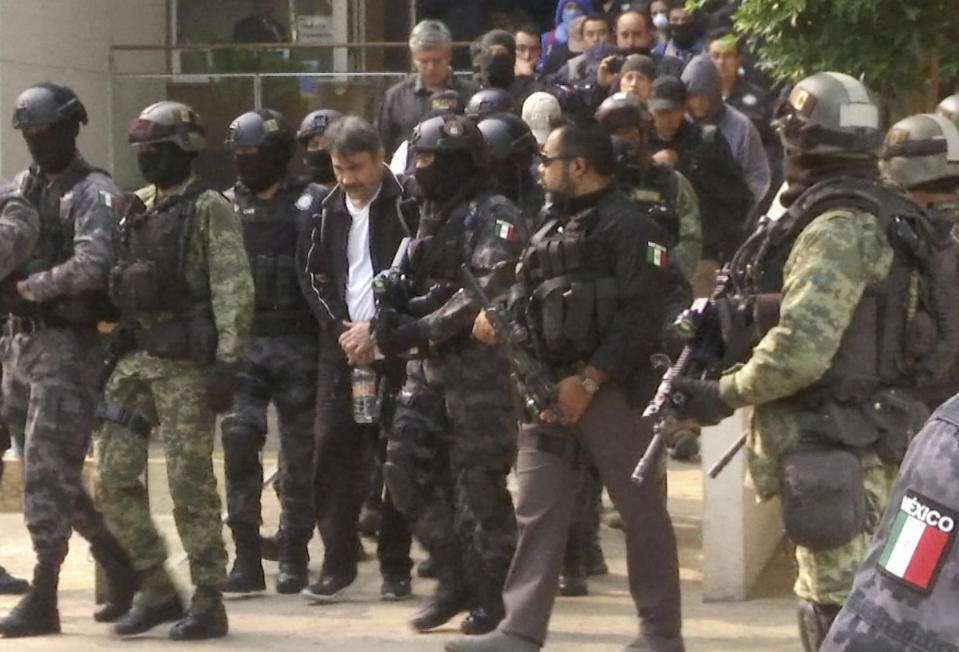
323	264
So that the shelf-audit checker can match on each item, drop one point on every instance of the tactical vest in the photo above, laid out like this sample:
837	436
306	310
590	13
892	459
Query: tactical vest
572	292
654	192
54	247
270	232
874	355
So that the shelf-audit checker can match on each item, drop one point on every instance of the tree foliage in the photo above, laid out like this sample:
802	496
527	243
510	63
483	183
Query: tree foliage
895	46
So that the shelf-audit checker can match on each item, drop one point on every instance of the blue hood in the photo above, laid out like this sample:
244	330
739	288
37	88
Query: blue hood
585	5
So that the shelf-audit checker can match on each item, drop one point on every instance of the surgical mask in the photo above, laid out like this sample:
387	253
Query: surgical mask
660	21
569	15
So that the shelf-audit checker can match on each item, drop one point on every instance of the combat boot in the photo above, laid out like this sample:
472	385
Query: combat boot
246	576
270	546
294	575
814	622
449	599
206	617
121	578
157	603
36	613
489	610
10	585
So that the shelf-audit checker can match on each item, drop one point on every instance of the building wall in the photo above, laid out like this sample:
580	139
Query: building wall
68	42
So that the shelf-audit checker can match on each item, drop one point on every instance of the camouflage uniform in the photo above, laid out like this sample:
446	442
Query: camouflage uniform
893	608
833	260
454	430
50	365
280	365
171	393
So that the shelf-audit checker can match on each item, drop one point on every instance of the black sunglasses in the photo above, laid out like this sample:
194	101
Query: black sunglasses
547	159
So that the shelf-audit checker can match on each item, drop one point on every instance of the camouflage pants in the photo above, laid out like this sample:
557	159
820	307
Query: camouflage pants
171	394
48	403
455	432
826	576
281	369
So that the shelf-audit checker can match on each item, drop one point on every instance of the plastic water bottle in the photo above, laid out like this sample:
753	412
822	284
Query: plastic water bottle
365	408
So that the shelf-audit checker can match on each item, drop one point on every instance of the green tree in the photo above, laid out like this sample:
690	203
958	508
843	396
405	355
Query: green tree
898	47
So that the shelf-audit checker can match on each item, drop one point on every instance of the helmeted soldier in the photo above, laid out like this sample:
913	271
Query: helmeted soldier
512	148
280	364
489	101
827	380
51	349
185	294
315	155
453	436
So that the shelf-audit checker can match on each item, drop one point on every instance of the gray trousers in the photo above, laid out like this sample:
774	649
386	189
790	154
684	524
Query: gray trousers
547	487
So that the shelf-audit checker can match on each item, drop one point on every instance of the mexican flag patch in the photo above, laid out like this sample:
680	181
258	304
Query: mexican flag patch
107	199
918	542
656	254
504	230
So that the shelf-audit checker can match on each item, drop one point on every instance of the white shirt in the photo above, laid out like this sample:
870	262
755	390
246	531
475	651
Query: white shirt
359	281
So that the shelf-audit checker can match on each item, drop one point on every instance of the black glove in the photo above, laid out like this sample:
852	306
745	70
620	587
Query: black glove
221	385
396	333
31	188
703	403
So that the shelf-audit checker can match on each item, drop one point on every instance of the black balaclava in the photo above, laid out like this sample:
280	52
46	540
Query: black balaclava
803	171
447	174
261	169
166	165
685	35
53	149
497	70
320	165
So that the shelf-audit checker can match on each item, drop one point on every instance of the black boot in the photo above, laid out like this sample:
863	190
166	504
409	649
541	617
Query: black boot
449	599
814	622
270	546
488	609
157	603
246	576
294	575
206	617
36	613
121	578
10	585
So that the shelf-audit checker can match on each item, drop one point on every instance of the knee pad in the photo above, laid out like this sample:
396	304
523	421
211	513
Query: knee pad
822	497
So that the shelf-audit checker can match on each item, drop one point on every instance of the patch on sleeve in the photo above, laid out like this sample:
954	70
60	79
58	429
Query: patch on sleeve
656	254
305	201
107	199
918	543
504	230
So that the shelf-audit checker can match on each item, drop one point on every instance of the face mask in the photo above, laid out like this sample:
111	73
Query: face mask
660	21
166	165
444	177
569	15
320	165
260	170
53	149
497	70
684	35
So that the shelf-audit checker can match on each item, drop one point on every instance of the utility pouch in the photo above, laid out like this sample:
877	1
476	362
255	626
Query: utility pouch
839	423
579	301
138	286
897	417
822	498
553	322
202	338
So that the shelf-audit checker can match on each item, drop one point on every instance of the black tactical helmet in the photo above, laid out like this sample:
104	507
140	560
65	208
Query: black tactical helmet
490	100
506	135
450	132
263	128
622	110
315	123
48	103
168	122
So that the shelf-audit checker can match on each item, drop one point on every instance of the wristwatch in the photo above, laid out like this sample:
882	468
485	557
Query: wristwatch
590	385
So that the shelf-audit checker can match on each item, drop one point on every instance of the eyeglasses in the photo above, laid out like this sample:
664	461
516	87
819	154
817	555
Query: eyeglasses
546	159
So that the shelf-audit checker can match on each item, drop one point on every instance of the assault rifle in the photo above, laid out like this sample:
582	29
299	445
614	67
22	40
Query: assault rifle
718	333
530	376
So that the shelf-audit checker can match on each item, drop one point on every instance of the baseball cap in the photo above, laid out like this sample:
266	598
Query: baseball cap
668	92
539	111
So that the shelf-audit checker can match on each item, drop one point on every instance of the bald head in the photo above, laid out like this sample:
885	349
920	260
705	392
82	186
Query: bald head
633	31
